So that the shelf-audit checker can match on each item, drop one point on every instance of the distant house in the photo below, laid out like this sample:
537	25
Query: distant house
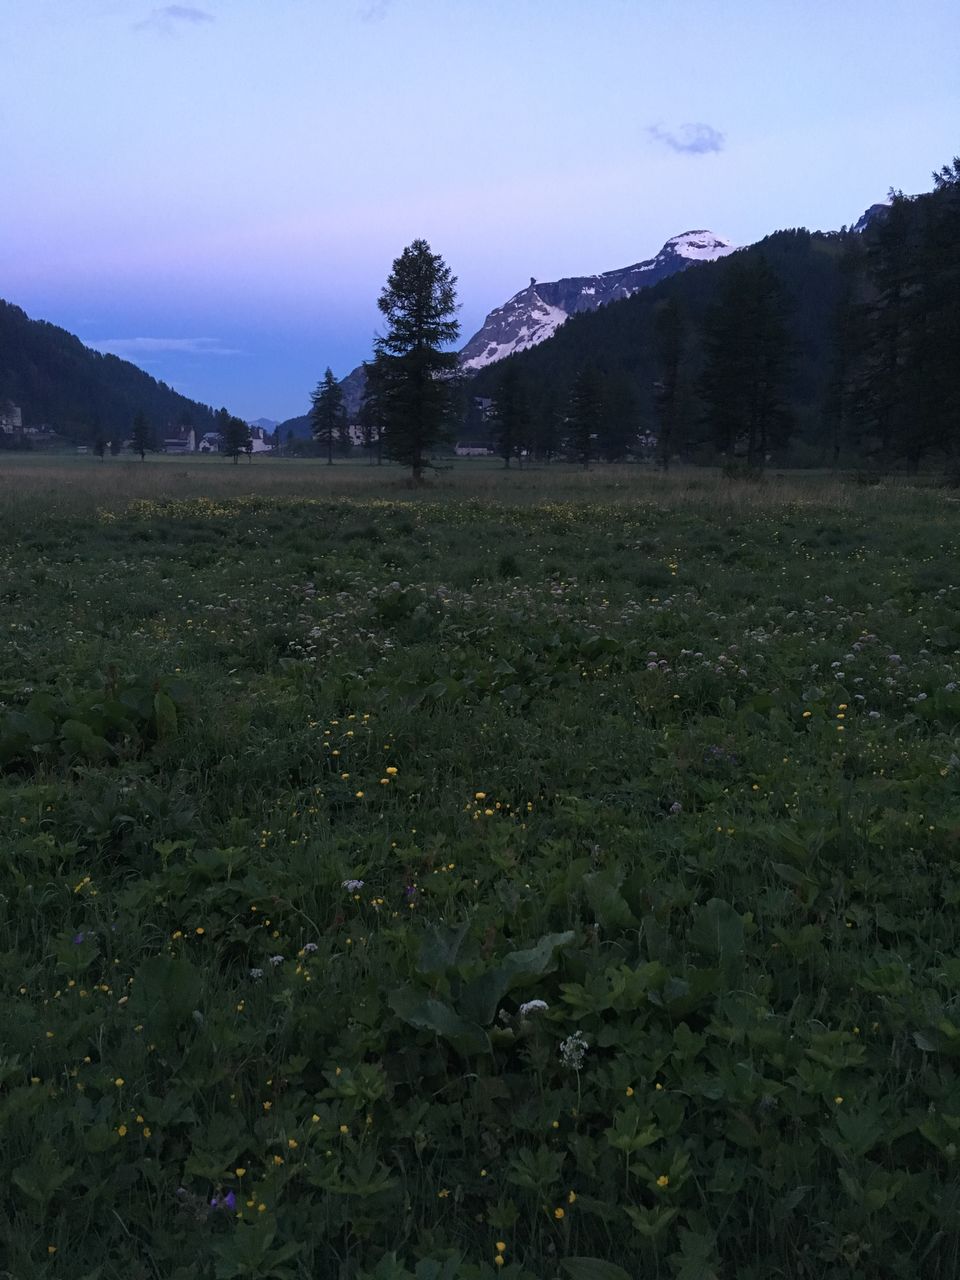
261	438
185	441
210	442
11	417
473	451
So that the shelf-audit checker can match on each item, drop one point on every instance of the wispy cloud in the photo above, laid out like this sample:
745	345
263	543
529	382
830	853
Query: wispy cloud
693	139
169	18
137	348
374	10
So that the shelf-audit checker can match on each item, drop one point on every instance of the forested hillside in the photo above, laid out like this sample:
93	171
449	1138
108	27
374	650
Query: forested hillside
56	380
808	346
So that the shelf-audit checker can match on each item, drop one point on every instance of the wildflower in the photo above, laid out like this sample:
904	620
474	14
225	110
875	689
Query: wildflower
275	960
344	1128
500	1246
391	770
256	973
443	1194
119	1082
498	1260
676	807
200	931
571	1197
292	1143
531	1007
78	938
663	1181
480	795
51	1249
147	1131
629	1091
559	1213
573	1050
278	1160
352	886
838	1099
359	795
240	1170
122	1131
309	948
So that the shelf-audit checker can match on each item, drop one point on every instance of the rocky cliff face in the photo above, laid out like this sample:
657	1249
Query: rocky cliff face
536	312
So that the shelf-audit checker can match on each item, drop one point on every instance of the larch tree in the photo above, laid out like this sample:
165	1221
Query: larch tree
511	417
412	375
327	415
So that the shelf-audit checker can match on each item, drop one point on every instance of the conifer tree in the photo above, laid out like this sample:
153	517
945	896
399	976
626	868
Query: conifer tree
235	437
412	374
327	417
510	417
585	414
669	340
744	381
619	419
142	437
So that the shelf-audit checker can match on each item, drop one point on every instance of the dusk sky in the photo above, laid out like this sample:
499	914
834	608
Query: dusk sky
216	190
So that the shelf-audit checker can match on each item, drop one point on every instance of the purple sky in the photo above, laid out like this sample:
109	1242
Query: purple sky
217	190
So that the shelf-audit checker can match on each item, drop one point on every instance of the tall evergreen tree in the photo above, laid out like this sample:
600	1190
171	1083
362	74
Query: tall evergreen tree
747	366
412	374
885	418
844	388
619	419
142	437
510	416
327	417
235	437
547	426
669	328
585	414
369	418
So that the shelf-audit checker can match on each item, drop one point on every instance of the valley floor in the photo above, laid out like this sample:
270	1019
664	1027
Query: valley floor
537	875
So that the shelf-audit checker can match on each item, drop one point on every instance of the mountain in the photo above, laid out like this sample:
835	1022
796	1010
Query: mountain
536	312
620	340
265	424
56	380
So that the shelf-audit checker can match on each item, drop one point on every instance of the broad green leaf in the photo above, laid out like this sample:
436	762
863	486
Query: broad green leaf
717	931
417	1010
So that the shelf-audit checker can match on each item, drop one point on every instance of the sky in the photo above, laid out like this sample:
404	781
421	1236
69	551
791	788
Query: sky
217	190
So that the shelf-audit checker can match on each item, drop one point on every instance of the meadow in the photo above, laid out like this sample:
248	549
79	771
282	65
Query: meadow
551	876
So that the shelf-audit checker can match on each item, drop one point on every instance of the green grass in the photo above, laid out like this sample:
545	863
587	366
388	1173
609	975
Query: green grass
675	756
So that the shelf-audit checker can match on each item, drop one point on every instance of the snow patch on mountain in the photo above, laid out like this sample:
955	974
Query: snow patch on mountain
535	313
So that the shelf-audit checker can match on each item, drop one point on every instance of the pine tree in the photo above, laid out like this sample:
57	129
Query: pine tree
585	414
142	437
370	425
619	419
327	416
748	361
510	416
235	437
885	417
411	373
669	327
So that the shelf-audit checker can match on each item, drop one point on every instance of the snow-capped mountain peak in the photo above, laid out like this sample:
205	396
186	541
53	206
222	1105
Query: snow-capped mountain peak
536	312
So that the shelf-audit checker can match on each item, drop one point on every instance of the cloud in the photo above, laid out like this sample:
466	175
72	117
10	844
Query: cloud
169	17
374	10
693	139
137	348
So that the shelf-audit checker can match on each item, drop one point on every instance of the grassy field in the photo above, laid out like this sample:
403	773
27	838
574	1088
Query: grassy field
544	875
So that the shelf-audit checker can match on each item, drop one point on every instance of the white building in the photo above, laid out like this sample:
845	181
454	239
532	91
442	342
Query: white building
11	417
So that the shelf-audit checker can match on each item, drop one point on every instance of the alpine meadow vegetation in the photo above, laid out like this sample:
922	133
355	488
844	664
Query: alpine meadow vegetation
543	875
